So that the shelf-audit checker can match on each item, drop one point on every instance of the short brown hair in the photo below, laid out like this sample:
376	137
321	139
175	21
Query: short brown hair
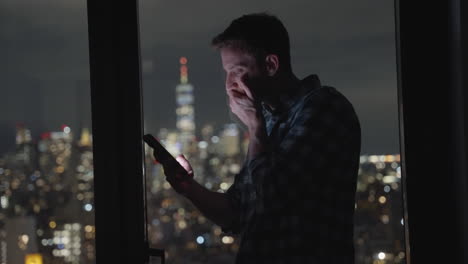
259	34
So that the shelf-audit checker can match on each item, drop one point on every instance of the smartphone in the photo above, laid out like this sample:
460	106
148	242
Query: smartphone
160	153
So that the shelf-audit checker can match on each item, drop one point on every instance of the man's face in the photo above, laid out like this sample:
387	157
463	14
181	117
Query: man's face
242	68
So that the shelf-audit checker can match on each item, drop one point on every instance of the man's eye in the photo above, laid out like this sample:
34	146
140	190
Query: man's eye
234	73
239	71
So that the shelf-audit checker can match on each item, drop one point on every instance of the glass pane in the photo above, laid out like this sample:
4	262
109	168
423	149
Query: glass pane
46	158
349	45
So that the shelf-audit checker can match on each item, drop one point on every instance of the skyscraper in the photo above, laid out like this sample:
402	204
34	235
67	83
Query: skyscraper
185	110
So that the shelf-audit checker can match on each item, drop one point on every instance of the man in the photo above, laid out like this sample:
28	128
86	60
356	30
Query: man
293	200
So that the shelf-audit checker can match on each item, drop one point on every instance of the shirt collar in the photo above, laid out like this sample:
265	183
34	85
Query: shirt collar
288	101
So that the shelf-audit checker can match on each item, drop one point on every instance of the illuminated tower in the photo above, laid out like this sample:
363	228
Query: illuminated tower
185	111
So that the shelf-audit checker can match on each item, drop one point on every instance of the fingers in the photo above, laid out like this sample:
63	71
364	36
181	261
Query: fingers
173	175
246	89
184	162
235	94
239	98
177	175
232	104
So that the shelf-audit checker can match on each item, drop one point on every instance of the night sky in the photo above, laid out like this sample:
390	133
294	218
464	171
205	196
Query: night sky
45	74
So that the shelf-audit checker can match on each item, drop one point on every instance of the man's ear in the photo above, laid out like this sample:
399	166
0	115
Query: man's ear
272	64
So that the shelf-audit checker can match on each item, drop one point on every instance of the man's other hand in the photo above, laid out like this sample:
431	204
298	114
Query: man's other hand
180	179
245	105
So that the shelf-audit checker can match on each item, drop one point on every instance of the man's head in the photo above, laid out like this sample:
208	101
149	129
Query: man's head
255	50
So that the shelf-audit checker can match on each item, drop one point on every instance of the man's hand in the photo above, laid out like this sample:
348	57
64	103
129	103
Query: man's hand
245	106
181	180
214	205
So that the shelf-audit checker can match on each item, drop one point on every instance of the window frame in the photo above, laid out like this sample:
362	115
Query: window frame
431	70
116	103
439	32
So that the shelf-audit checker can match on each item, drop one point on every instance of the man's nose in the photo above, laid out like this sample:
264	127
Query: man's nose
231	85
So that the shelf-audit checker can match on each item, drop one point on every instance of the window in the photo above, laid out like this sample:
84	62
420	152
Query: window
46	158
350	46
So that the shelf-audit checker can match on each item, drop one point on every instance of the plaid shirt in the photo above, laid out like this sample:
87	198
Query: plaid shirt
296	202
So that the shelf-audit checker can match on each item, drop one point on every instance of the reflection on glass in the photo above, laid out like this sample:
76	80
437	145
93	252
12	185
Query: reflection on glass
46	158
185	106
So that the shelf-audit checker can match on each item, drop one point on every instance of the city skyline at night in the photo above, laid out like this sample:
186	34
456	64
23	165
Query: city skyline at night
60	163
